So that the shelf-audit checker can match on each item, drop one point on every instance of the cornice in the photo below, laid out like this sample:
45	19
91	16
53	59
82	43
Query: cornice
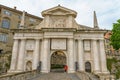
25	30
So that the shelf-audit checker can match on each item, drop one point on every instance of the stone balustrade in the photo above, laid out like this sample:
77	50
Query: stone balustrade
90	76
19	76
107	77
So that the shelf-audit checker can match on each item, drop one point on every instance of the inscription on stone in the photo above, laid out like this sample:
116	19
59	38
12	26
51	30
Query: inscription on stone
58	44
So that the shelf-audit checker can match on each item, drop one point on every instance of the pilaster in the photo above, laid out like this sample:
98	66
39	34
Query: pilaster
14	55
36	54
20	65
44	56
95	56
80	55
103	57
71	63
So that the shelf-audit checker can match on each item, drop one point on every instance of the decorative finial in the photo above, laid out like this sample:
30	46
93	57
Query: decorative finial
58	4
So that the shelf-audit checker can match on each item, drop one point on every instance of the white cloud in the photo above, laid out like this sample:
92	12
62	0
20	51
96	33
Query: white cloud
107	10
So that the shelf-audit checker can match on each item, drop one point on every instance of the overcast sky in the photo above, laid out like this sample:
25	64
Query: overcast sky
108	11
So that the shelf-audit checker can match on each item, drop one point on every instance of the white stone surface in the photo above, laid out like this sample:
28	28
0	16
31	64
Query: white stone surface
20	65
96	56
14	55
59	32
80	55
36	54
58	44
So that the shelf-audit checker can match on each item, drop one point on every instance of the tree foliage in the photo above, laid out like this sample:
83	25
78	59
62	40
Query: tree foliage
115	37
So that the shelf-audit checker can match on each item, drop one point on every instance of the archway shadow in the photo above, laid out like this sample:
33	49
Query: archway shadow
58	61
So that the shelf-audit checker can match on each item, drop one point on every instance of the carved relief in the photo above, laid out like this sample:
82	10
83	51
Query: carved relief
29	66
30	45
29	54
58	22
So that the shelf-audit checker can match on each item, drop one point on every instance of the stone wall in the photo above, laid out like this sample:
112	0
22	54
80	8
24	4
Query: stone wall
19	76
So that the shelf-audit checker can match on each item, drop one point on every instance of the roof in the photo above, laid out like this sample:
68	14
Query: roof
59	8
18	11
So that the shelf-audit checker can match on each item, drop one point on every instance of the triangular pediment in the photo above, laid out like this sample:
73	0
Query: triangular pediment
59	10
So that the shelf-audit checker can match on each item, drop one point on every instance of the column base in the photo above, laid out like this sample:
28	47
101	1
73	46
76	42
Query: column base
97	72
71	71
81	70
105	72
14	71
45	71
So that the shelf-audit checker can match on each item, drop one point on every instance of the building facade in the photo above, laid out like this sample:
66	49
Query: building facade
110	51
10	18
79	47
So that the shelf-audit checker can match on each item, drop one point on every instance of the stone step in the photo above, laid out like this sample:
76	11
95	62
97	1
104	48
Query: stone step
73	76
56	76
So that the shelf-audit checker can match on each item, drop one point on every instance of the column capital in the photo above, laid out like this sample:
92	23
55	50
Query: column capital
94	39
16	40
80	39
37	38
23	39
101	39
70	38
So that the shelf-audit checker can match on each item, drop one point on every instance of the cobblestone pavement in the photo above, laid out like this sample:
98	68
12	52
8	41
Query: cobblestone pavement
56	76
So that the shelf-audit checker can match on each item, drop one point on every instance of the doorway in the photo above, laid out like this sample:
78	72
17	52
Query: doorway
58	61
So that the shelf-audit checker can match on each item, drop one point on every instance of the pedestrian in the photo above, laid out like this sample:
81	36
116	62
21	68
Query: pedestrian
65	68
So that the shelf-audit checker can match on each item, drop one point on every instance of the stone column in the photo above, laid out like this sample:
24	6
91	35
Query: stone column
95	56
103	57
20	66
71	64
36	54
14	55
44	56
80	55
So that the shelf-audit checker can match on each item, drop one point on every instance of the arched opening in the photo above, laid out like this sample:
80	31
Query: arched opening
28	66
88	67
58	60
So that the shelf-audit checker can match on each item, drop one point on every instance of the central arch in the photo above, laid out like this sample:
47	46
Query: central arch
57	62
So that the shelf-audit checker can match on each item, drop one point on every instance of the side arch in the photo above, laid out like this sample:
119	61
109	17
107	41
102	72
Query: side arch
28	65
88	66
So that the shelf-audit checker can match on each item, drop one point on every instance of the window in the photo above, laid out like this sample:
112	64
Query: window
3	37
6	23
19	16
32	20
18	26
7	13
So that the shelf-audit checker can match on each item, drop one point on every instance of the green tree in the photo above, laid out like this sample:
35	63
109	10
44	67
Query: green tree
115	37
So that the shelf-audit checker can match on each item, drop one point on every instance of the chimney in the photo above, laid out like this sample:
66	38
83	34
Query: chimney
15	7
